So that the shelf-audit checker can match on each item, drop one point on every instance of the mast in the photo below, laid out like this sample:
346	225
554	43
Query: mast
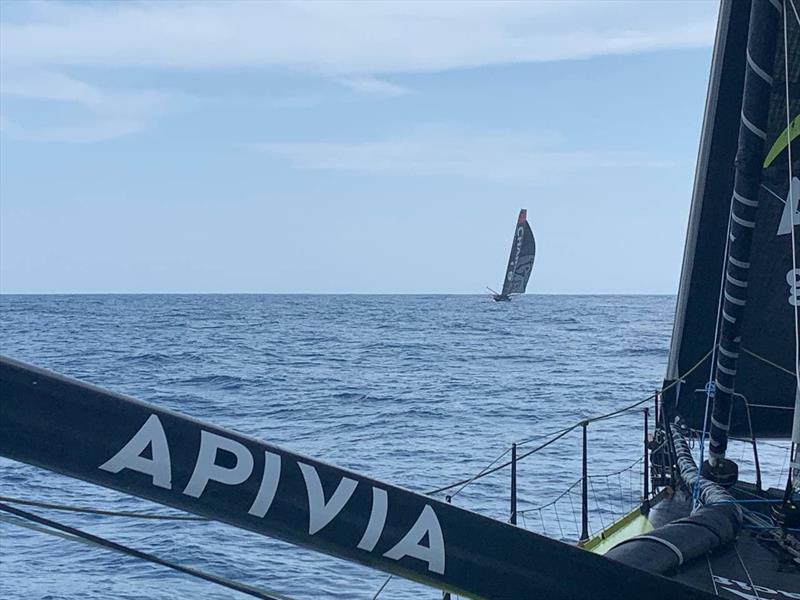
749	159
765	371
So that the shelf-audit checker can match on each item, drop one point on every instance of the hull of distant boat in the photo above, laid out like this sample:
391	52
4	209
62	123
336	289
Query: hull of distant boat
501	298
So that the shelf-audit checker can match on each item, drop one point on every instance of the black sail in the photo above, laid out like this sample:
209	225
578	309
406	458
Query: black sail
761	355
520	261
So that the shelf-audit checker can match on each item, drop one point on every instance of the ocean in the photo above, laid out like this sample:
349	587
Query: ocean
420	391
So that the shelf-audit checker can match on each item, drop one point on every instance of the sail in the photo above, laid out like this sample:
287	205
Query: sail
763	298
520	261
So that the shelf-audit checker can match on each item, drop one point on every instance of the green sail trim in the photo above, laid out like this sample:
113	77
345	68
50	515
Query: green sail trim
783	141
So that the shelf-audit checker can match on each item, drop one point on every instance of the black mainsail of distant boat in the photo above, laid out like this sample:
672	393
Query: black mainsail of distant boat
733	372
520	260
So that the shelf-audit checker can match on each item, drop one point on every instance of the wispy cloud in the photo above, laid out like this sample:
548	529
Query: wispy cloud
500	157
76	133
346	38
99	114
361	46
375	87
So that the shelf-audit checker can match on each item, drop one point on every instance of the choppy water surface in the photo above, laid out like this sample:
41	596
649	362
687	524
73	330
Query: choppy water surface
418	390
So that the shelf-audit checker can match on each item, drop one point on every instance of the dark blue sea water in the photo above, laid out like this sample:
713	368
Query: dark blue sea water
417	390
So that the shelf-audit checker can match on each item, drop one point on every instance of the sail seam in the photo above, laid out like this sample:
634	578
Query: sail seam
738	263
716	423
725	389
755	130
732	300
726	370
746	201
735	281
758	70
743	222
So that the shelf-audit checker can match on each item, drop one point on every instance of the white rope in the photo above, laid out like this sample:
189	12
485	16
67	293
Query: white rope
767	361
746	572
791	195
794	449
796	16
711	572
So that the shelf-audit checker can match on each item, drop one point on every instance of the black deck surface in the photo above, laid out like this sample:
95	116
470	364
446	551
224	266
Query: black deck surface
752	568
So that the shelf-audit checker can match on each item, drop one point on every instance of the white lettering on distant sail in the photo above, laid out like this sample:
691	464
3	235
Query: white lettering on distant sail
793	279
206	469
513	266
377	520
427	525
785	226
130	457
269	485
320	513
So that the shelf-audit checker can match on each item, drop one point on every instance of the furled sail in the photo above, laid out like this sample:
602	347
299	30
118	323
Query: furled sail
761	294
520	261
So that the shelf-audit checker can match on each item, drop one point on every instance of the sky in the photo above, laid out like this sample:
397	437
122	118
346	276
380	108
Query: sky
385	147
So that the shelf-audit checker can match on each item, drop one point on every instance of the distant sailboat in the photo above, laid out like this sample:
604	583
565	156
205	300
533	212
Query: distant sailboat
520	261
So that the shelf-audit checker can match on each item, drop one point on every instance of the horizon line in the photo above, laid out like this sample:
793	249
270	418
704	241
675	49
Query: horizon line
326	294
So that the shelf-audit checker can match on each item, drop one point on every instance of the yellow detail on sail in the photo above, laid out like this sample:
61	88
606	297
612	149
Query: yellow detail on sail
783	141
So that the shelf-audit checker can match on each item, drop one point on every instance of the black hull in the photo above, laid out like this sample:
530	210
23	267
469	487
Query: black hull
501	298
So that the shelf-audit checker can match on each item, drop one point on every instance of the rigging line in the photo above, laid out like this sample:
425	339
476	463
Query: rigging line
557	498
577	481
542	436
482	473
561	433
97	511
380	589
109	545
746	572
597	504
463	483
574	515
796	16
793	248
773	193
630	406
711	572
628	468
767	361
17	522
652	396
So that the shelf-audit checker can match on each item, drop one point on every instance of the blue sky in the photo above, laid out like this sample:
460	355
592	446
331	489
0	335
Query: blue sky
348	147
